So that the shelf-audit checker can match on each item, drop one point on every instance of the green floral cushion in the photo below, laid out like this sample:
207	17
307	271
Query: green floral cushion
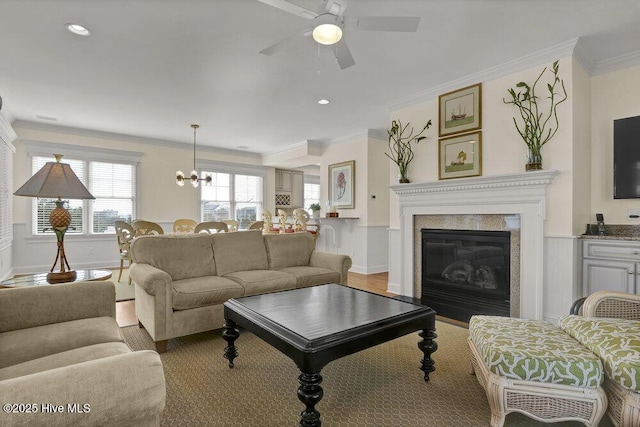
534	350
616	341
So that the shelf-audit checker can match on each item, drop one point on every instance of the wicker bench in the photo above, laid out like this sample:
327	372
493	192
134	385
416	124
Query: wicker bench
535	368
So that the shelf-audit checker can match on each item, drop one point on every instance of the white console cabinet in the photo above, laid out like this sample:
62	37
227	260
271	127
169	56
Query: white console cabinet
612	265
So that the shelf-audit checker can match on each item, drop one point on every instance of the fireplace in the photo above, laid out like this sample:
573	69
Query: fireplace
466	272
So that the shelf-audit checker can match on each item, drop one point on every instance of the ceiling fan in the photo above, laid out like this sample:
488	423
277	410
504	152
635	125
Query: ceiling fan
328	24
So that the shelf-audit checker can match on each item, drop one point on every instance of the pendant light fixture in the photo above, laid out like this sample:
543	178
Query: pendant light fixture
180	178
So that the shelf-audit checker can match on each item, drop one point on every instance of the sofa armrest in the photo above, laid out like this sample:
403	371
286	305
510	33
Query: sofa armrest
336	262
619	305
126	389
32	306
149	278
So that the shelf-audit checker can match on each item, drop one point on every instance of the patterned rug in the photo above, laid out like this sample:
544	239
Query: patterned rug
380	386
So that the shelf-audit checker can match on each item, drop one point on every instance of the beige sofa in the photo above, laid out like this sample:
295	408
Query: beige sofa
182	281
61	349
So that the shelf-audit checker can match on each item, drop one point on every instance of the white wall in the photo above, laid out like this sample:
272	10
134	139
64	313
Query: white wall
615	95
502	148
365	239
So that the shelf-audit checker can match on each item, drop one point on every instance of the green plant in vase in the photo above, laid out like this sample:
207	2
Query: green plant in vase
400	150
538	121
315	210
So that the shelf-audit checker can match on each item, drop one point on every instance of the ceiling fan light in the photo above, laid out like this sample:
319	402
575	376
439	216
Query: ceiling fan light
327	30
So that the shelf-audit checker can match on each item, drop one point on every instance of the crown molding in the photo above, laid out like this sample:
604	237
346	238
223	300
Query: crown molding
584	59
127	138
380	134
614	64
540	57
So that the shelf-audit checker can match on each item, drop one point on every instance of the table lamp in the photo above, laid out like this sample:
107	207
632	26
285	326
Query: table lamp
57	180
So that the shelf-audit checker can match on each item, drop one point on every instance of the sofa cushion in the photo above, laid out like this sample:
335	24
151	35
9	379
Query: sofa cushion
533	350
615	341
289	250
201	291
311	276
182	256
262	281
65	358
32	343
240	251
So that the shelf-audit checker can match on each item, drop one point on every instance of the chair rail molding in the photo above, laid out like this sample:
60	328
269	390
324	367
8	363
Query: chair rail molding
522	194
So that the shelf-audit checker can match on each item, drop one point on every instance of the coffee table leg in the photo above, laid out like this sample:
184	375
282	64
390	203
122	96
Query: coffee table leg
428	347
310	394
230	333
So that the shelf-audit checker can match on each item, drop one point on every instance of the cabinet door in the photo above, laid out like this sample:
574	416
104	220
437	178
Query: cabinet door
598	275
297	190
283	180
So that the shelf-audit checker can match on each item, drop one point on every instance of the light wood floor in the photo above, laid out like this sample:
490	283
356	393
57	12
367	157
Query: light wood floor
126	310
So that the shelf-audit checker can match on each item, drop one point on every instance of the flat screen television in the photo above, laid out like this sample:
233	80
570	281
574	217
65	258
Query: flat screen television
626	158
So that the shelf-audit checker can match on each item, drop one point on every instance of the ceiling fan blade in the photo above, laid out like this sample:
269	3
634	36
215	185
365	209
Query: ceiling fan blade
407	24
343	54
277	47
291	8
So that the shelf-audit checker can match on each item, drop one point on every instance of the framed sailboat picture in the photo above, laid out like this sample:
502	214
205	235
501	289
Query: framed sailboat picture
460	156
460	111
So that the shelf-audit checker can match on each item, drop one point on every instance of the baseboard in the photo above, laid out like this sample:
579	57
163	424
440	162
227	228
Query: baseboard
369	270
394	288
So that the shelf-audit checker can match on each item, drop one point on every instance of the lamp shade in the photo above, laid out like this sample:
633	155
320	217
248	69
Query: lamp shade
55	180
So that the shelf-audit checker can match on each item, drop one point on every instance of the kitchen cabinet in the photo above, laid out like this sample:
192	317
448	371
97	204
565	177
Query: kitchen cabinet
283	180
289	189
612	265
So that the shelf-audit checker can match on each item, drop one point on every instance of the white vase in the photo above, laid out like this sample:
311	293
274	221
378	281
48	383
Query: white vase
315	214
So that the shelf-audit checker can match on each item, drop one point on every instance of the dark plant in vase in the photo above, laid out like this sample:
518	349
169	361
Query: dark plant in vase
537	123
400	150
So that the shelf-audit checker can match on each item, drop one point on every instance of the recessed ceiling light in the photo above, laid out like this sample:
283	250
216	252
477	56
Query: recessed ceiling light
323	101
78	29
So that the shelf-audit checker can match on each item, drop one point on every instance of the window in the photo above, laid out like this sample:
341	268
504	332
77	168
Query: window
311	194
232	196
112	185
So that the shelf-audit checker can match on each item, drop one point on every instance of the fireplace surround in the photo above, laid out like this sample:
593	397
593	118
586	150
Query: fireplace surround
520	194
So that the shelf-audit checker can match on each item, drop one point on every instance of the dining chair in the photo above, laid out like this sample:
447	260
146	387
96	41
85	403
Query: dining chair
283	215
232	224
211	227
184	225
268	227
143	228
124	234
256	225
301	223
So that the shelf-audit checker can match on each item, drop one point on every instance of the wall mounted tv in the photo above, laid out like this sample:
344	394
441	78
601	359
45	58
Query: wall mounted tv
626	158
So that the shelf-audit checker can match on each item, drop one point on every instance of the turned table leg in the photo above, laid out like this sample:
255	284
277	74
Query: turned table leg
230	333
310	394
428	347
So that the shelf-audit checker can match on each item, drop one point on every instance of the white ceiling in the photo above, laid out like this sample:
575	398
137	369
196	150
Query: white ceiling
152	67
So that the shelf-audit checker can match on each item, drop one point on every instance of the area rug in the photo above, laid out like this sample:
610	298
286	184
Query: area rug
380	386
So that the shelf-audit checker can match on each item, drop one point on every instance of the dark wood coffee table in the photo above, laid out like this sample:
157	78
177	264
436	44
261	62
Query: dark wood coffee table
316	325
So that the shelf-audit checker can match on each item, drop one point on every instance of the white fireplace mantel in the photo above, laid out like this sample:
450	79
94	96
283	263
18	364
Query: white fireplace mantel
522	194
